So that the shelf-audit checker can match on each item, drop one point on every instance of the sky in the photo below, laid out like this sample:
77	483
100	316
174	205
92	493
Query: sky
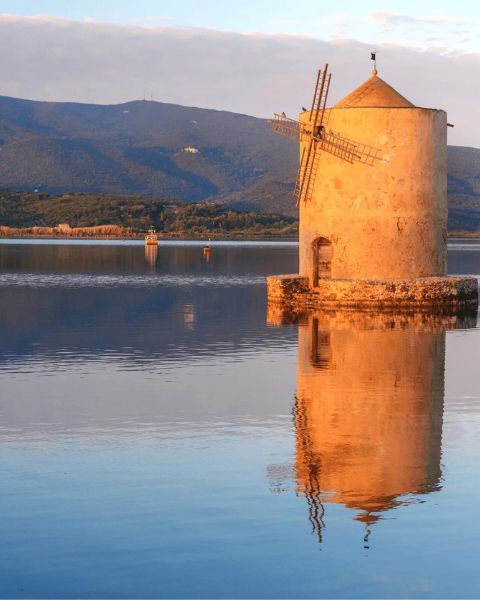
426	23
253	57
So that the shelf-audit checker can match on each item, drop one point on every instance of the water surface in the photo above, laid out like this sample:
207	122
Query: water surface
160	437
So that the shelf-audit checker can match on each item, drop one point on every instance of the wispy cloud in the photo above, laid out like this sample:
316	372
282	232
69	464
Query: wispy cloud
58	59
457	34
388	18
153	21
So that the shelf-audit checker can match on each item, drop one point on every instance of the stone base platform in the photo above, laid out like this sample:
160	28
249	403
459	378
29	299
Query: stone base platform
292	292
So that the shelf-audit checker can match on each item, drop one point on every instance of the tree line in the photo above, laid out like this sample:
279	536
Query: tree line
136	214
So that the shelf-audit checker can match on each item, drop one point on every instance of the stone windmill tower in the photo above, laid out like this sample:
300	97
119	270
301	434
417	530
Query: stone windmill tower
372	196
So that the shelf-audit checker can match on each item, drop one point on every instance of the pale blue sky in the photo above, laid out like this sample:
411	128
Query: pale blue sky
425	24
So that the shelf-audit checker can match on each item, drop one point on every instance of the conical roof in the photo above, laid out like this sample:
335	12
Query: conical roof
374	93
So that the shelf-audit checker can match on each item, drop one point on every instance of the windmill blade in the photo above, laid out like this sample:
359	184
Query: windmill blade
319	101
338	146
311	487
347	150
367	155
287	127
306	172
300	176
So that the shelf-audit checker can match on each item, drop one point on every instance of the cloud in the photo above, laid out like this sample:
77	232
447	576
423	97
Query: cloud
62	60
457	33
152	21
392	18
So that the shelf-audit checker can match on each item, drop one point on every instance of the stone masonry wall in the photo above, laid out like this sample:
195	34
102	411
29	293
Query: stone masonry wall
432	292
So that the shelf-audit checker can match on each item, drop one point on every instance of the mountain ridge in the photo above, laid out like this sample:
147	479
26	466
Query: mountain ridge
185	153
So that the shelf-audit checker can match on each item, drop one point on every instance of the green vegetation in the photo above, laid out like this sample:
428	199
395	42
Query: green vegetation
137	213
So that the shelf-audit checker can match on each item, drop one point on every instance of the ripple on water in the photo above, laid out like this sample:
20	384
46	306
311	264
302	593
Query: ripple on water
80	280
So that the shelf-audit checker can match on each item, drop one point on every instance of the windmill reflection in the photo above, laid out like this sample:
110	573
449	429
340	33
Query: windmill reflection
368	411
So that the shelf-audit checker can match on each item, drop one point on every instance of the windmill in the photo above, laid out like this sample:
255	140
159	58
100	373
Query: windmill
313	132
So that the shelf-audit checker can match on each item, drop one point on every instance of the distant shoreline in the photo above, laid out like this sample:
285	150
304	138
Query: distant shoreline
194	237
464	234
166	238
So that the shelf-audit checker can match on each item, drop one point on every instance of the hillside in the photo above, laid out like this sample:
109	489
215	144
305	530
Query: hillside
463	188
145	149
140	148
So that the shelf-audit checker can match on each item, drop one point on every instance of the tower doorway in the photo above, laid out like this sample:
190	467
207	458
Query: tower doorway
322	260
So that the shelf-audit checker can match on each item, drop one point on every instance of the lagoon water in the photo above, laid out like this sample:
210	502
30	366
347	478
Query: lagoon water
159	437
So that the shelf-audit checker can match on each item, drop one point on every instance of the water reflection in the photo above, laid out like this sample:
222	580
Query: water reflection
368	410
207	253
151	254
189	316
128	258
140	408
115	346
81	303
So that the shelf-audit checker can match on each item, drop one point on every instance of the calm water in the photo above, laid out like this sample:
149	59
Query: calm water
162	436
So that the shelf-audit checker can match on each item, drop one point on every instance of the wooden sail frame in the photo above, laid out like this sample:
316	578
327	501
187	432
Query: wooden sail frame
318	138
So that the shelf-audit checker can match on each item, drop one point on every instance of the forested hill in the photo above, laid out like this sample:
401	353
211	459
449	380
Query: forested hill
144	148
176	152
463	188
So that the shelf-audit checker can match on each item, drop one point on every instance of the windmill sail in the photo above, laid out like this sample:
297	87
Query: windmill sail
347	150
287	127
306	173
319	101
309	163
316	138
328	141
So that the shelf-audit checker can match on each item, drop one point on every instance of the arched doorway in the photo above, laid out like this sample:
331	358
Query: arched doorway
322	259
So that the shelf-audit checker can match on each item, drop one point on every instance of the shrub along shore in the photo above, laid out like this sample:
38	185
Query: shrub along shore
113	232
96	216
